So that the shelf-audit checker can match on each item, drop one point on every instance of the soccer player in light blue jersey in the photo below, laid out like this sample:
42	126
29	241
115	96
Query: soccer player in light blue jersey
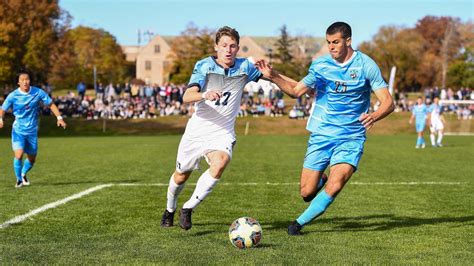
342	83
420	115
25	102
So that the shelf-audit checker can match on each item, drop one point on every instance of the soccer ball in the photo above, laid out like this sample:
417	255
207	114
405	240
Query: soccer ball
245	232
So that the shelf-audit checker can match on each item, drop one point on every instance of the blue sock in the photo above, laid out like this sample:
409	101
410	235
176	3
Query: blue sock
17	165
316	208
418	141
26	167
422	140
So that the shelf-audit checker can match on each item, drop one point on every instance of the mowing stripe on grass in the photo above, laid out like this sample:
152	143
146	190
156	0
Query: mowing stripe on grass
55	204
51	205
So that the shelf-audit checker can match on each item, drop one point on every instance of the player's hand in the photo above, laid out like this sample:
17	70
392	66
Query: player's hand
212	95
1	124
367	120
61	123
264	67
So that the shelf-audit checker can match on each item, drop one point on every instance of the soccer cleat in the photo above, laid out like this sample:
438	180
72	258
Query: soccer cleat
19	184
167	219
439	145
26	182
294	229
417	146
185	218
423	146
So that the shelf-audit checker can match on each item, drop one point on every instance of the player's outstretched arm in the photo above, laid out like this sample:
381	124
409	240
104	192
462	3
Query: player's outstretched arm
192	95
1	117
56	112
386	107
286	84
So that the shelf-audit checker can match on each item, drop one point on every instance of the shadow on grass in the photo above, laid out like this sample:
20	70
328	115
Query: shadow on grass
373	223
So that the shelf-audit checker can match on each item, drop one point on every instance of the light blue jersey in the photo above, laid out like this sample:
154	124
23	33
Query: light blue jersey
26	107
420	112
208	65
342	95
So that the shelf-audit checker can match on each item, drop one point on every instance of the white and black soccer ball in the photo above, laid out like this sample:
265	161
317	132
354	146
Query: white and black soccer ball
245	232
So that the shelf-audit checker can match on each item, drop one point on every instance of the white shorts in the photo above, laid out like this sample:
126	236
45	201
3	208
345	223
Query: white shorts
436	125
192	149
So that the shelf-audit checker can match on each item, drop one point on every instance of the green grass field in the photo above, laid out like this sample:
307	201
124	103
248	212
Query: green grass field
381	217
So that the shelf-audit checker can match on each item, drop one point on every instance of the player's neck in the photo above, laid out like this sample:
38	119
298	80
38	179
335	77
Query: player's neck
223	64
348	56
25	90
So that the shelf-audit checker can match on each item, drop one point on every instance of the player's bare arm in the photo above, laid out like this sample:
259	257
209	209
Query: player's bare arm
288	85
386	107
1	117
192	95
56	112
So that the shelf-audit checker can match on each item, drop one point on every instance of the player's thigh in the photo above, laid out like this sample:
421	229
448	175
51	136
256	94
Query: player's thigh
18	143
190	152
218	159
31	144
348	152
338	176
309	181
420	126
318	153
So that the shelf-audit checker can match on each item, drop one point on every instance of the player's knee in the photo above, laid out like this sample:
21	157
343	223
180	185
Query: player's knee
180	178
307	195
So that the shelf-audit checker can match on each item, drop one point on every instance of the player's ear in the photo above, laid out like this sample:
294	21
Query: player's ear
348	41
215	47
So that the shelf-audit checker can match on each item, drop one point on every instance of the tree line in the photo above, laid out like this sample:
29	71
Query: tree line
437	51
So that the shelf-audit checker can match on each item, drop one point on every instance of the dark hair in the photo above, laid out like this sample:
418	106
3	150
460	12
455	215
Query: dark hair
341	27
22	72
227	31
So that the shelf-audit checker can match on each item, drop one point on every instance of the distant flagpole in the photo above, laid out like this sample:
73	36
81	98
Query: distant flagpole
392	79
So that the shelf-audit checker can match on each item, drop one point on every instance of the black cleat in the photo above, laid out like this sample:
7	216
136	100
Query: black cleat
19	184
185	218
294	229
167	219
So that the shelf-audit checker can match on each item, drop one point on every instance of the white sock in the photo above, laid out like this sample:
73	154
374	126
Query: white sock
204	186
432	138
173	192
440	137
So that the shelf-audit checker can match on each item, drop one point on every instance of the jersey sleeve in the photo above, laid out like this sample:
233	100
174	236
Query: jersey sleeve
253	73
310	80
198	77
8	103
45	97
374	75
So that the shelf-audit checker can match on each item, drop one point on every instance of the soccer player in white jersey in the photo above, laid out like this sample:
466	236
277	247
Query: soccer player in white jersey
437	123
25	102
215	87
342	83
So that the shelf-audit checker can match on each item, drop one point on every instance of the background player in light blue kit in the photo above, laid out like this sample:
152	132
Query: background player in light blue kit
343	83
419	114
25	102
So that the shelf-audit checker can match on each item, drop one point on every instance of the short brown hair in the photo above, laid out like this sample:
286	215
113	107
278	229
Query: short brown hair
227	31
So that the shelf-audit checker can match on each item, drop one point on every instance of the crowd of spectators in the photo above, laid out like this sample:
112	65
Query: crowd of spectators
130	101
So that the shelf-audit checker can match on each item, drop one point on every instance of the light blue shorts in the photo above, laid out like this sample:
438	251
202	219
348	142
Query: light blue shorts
420	126
324	151
27	142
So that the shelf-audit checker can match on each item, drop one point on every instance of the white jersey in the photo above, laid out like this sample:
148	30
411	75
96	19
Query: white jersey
215	118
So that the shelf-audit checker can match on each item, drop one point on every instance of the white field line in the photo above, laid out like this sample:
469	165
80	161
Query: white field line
55	204
51	205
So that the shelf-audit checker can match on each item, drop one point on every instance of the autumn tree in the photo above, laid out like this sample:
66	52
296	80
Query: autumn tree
285	57
80	50
192	45
28	31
